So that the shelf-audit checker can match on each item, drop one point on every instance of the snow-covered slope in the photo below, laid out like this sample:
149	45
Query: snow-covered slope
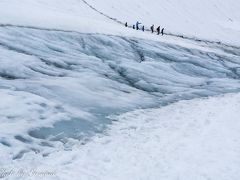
197	139
66	67
217	20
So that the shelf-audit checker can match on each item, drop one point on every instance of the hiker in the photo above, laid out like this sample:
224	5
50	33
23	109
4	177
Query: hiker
162	31
158	30
152	28
137	25
143	28
133	26
126	25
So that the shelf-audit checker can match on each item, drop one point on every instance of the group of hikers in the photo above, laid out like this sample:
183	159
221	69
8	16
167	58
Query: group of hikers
137	27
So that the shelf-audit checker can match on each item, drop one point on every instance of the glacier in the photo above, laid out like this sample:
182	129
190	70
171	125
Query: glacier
72	82
81	94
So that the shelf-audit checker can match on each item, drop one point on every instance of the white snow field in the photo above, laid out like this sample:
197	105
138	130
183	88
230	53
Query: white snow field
76	86
196	139
216	20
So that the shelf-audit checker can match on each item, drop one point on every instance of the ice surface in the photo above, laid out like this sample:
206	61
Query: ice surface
77	80
66	69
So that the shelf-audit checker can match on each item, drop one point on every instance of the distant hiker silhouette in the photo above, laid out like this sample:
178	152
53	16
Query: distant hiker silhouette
162	31
143	28
126	25
137	25
133	26
152	28
158	30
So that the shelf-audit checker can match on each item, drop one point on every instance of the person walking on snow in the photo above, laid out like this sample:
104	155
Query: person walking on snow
133	26
162	31
126	25
137	25
158	30
152	28
143	28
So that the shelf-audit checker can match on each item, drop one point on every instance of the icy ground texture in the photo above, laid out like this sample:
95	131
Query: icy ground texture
196	139
57	85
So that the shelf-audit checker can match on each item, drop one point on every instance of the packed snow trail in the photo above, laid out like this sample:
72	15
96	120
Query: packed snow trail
107	16
214	20
68	84
168	32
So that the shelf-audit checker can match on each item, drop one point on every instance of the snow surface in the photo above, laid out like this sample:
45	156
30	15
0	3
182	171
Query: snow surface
217	20
68	67
197	139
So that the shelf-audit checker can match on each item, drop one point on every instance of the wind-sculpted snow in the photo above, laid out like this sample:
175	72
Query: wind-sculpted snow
60	85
